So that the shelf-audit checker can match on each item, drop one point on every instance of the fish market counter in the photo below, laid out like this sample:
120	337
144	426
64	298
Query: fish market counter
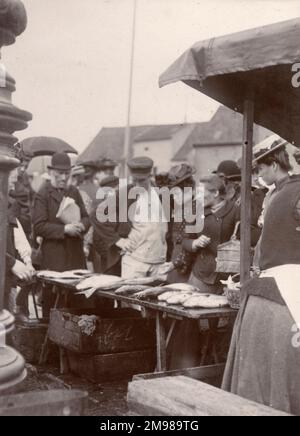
164	329
166	316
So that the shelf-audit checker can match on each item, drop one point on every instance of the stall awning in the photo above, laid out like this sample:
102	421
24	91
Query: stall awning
227	68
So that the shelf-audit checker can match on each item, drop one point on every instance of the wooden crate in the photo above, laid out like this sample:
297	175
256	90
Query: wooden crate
108	367
124	330
29	341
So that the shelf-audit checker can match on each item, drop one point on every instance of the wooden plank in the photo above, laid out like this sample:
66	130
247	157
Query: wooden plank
63	361
246	191
170	332
183	396
177	311
161	345
199	373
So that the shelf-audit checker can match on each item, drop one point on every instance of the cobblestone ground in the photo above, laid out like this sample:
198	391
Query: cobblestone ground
105	399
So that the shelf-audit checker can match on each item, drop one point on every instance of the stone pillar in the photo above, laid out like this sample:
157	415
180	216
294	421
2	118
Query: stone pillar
13	21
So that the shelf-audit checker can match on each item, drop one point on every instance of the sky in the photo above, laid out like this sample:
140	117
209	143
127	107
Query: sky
72	63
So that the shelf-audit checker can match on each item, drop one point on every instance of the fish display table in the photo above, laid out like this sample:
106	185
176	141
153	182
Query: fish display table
162	312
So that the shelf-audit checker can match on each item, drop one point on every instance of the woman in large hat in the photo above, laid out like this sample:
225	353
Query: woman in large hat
264	359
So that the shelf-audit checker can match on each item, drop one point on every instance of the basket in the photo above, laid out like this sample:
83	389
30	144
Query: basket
229	254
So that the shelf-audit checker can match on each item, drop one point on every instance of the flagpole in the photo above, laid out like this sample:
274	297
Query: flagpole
127	137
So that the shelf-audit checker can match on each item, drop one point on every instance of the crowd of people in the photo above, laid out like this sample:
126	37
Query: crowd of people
131	248
38	239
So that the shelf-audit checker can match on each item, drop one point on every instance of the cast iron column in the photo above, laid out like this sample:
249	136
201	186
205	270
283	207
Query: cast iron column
13	21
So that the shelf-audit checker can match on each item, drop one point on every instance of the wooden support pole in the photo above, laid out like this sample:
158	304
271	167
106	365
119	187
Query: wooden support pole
127	137
246	190
161	343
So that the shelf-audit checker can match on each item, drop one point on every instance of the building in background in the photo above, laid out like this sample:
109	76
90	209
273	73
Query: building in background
203	145
160	143
216	140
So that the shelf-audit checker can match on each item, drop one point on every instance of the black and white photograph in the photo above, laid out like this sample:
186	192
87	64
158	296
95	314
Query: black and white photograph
149	211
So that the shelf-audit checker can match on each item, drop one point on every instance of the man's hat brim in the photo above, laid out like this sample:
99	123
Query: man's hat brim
110	182
182	179
140	176
90	165
59	168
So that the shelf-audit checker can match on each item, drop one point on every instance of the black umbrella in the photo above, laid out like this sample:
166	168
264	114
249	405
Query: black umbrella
45	146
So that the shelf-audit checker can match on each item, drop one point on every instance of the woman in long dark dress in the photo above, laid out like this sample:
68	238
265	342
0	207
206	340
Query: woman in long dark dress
264	359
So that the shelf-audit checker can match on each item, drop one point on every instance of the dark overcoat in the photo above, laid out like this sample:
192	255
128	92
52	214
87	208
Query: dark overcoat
59	251
107	234
219	227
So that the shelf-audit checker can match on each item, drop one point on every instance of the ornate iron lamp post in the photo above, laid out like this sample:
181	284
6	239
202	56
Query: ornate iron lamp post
13	21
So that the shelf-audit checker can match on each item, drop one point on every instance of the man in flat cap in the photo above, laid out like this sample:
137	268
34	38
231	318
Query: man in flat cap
62	246
145	248
88	185
95	172
138	246
106	168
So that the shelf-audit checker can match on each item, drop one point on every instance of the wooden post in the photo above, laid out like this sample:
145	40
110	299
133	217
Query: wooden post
127	137
246	190
161	343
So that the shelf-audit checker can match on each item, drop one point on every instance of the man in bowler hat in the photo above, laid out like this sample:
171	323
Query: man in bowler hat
62	246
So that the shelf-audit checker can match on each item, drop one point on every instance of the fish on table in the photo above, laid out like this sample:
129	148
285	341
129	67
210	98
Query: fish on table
150	293
66	275
130	289
206	301
99	281
167	294
147	281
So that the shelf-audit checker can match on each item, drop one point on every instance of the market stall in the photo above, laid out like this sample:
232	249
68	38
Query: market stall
252	73
164	315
